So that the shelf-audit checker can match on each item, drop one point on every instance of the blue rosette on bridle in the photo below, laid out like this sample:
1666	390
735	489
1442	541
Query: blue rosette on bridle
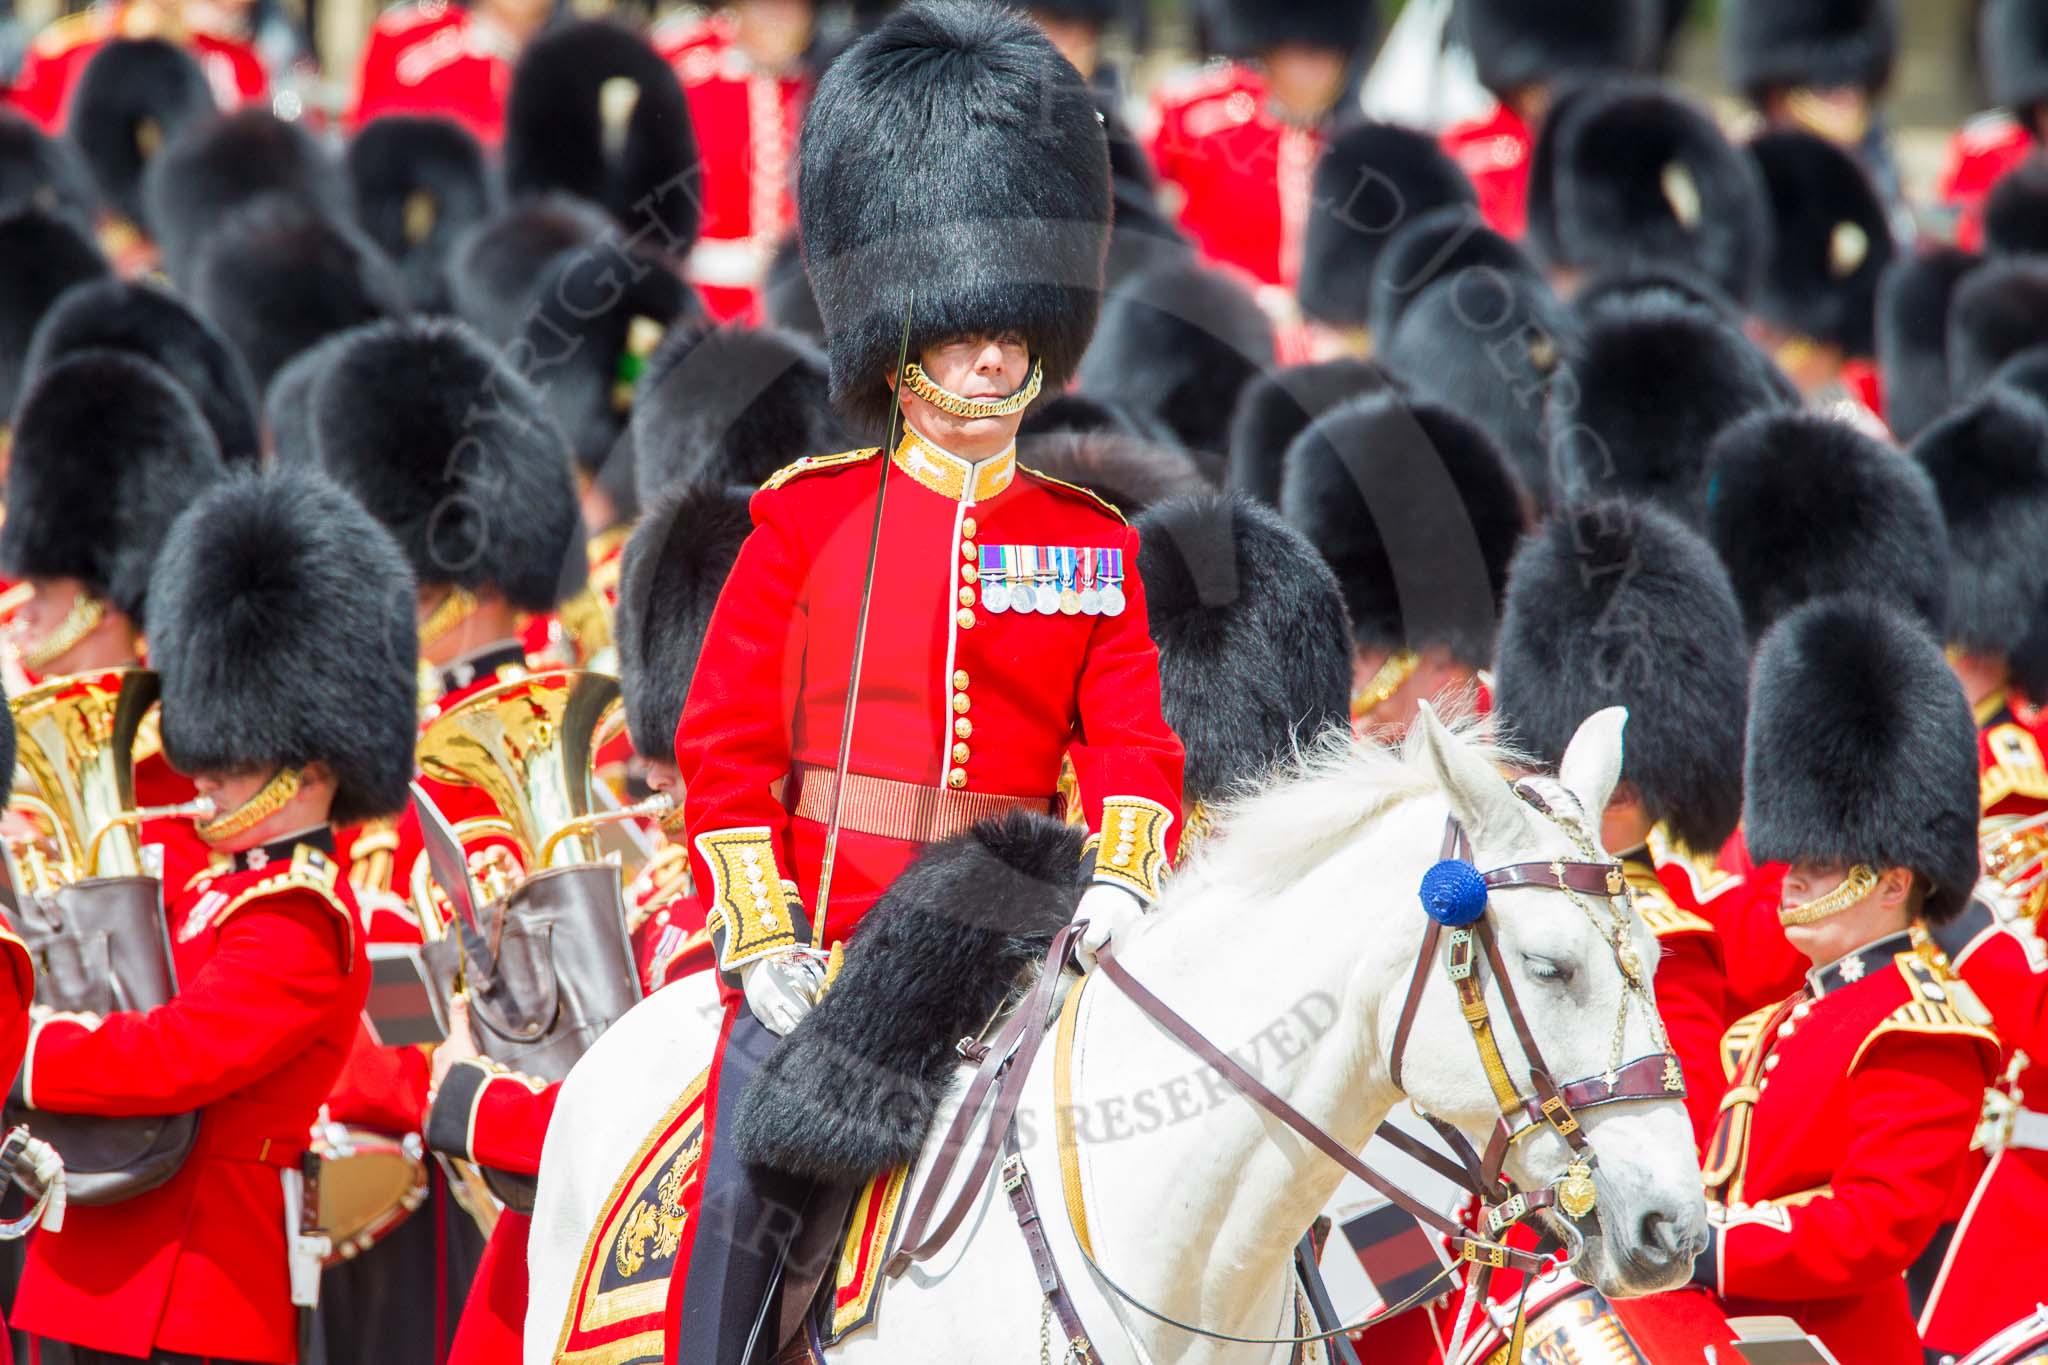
1453	893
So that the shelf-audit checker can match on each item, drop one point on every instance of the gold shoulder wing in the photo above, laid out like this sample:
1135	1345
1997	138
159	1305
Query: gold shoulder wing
1941	1004
309	870
1658	910
816	464
1740	1037
1084	494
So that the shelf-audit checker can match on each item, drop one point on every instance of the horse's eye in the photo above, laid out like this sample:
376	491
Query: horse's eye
1549	969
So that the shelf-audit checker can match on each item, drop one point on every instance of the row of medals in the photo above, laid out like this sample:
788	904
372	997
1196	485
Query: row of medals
1054	595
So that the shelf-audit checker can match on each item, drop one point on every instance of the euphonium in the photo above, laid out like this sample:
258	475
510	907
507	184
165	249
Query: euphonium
546	963
91	913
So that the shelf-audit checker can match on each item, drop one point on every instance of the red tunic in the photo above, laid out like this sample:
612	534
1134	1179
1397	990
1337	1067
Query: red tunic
1674	896
1494	153
746	120
954	697
1241	175
273	979
1979	155
1865	1089
434	57
1763	966
59	53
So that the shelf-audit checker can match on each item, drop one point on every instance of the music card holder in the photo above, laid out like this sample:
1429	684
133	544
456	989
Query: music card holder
401	1004
1775	1341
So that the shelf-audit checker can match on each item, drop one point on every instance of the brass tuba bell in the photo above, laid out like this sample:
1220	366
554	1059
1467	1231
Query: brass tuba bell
75	741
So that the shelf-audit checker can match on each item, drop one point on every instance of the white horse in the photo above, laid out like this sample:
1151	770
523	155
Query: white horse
1289	940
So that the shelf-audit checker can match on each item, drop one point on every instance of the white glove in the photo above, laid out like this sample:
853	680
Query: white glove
783	987
1112	912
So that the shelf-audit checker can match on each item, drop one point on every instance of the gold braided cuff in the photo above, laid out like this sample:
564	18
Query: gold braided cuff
752	910
87	611
947	401
1860	882
1133	850
269	799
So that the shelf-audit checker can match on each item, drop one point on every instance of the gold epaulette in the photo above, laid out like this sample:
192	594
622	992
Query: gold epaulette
1941	1004
1741	1037
1086	494
309	870
2016	767
817	464
1657	908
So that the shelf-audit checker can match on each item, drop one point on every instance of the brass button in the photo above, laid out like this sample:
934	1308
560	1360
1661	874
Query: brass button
967	528
969	574
960	705
963	727
966	597
957	778
967	550
959	680
965	618
959	753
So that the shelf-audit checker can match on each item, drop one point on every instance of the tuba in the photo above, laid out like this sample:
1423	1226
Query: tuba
544	957
91	914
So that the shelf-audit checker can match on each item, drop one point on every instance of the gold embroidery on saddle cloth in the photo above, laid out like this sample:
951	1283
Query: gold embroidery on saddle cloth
620	1292
857	1281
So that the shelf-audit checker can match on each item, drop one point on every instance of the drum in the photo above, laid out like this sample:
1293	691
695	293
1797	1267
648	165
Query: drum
1571	1323
2023	1343
369	1183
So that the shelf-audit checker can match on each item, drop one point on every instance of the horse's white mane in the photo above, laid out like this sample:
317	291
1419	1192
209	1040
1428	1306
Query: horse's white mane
1312	805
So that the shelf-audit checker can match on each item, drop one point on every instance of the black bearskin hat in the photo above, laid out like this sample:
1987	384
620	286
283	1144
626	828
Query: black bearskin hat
1433	247
786	294
133	97
1862	750
1372	180
1254	647
595	111
952	152
1634	175
1995	313
212	166
673	568
1276	407
288	404
1520	43
2016	208
1913	302
143	320
2026	374
1181	341
1642	394
1800	505
1628	289
276	277
41	256
1616	603
38	171
287	637
454	451
1484	344
598	314
1989	463
1830	242
419	183
1817	44
730	405
496	266
1081	414
1128	473
1246	28
2012	44
108	449
1418	514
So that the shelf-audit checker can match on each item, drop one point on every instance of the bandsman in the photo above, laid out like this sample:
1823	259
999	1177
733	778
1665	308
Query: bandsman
41	256
284	643
1913	301
977	678
420	182
2012	45
1850	1105
216	35
448	58
133	97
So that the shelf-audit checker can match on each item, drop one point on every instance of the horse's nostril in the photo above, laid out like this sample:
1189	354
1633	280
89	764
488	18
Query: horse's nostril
1663	1237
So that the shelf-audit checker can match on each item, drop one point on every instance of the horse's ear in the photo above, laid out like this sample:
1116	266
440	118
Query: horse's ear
1592	761
1481	799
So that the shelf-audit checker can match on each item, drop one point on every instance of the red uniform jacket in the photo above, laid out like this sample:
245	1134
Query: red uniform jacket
273	978
1979	155
747	120
1672	892
1494	153
435	57
1850	1106
955	698
59	53
1763	966
1242	176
